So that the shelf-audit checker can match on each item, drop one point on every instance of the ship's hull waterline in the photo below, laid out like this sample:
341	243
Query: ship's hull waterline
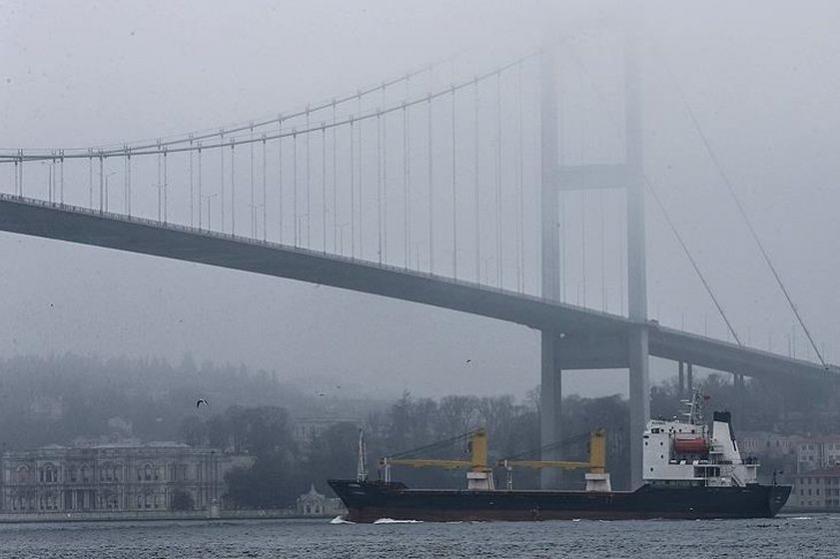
370	501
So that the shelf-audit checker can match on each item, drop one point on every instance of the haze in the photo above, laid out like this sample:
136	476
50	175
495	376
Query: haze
762	82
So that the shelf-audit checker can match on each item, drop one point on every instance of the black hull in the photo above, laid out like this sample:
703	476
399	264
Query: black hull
370	501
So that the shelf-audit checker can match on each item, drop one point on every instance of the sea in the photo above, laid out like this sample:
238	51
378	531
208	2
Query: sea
791	536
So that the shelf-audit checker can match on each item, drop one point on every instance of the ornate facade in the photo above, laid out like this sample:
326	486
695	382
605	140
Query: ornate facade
111	478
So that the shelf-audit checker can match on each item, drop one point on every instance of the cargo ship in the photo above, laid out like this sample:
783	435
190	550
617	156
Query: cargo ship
691	471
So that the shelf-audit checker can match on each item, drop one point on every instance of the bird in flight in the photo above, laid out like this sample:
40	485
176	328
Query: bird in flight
200	401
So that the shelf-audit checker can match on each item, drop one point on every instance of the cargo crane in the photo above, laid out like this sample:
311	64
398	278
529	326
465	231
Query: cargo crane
597	478
479	475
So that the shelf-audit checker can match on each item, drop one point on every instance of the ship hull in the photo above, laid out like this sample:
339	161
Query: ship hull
370	501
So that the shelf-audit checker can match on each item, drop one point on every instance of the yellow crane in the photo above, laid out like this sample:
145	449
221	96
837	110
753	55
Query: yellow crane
597	479
479	474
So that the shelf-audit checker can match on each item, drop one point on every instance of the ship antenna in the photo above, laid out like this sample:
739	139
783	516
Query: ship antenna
361	467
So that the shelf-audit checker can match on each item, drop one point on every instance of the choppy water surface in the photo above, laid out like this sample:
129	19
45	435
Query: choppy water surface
790	536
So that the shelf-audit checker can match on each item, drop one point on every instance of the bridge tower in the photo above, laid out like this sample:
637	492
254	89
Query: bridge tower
569	349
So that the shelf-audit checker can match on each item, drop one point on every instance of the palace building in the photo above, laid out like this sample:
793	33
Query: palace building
117	477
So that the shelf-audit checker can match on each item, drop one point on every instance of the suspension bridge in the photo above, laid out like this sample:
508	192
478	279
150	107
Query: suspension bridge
444	190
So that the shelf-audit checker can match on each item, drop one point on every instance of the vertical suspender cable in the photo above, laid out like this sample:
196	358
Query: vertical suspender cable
21	177
159	186
50	179
295	187
454	196
379	182
264	189
101	182
324	185
199	187
308	187
165	189
406	188
17	177
253	199
352	189
126	162
499	277
431	191
477	203
334	180
361	196
61	163
280	179
520	262
192	188
384	181
232	186
221	183
90	180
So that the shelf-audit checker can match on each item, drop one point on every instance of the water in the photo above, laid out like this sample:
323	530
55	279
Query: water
812	536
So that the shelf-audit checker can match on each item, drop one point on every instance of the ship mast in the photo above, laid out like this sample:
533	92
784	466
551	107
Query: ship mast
361	465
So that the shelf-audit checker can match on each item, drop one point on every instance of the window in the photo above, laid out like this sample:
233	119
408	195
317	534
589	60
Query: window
23	474
147	472
48	474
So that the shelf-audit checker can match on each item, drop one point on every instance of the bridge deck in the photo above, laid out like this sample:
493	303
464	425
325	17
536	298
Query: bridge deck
596	332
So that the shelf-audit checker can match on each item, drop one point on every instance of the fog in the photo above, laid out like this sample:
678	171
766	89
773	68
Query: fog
763	82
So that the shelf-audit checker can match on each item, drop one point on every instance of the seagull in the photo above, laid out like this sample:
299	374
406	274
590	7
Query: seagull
200	401
469	361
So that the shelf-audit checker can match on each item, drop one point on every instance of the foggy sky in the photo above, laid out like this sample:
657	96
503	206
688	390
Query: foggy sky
764	84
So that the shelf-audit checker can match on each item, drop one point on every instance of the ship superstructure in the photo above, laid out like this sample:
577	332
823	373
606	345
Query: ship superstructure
686	452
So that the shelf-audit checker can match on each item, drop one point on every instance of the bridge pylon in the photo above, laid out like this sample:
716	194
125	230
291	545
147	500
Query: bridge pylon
575	349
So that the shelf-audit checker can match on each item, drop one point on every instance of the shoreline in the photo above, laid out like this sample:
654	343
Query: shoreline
27	518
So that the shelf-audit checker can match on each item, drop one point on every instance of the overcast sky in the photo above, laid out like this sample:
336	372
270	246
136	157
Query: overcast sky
763	83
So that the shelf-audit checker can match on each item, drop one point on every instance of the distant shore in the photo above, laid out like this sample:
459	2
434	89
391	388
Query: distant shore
103	516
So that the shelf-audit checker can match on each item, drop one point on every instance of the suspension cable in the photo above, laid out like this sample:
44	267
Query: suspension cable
743	212
157	148
690	257
648	183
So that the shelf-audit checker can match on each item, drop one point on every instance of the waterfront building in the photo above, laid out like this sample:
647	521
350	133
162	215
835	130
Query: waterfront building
313	503
115	477
767	444
817	453
817	490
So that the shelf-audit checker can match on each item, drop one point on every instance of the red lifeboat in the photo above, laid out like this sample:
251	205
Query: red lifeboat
691	445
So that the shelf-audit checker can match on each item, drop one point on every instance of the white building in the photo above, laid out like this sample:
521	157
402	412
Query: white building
817	454
817	490
111	478
313	503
